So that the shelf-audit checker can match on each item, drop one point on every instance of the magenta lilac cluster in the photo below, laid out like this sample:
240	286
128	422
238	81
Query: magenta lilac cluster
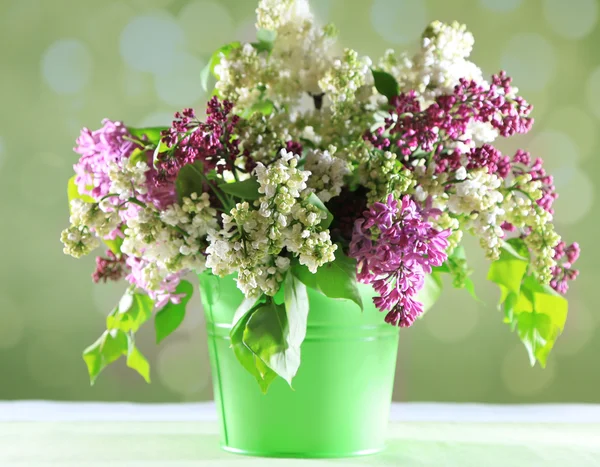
98	149
213	141
395	246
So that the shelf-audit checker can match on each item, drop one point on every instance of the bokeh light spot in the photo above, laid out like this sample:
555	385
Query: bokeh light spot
151	42
576	195
206	25
450	324
180	85
530	59
556	148
11	322
183	366
501	5
67	66
399	21
520	378
577	123
579	329
572	19
593	92
157	119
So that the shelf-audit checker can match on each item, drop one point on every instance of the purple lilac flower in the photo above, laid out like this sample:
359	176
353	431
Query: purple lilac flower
563	272
445	122
162	295
395	246
190	140
98	149
522	164
109	268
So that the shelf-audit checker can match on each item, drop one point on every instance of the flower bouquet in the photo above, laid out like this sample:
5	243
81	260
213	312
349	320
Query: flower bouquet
317	174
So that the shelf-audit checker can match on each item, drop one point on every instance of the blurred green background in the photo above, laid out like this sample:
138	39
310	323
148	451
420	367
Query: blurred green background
66	64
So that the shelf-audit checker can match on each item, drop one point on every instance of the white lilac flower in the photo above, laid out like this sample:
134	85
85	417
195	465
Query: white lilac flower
78	241
440	63
253	238
128	177
327	173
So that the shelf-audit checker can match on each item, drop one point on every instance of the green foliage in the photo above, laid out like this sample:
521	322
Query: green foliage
171	315
385	84
151	135
249	360
267	338
456	265
315	201
215	59
133	310
265	35
263	106
190	180
336	279
73	193
246	190
112	345
535	311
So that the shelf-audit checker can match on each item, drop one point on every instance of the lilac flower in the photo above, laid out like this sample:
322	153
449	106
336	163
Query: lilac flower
395	247
564	272
190	140
109	268
163	292
98	149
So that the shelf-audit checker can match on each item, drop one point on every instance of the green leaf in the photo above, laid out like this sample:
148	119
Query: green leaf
315	201
247	304
296	309
385	84
431	291
516	247
171	315
249	360
215	59
161	147
508	271
190	180
136	360
111	345
73	193
265	35
151	134
268	336
114	245
264	107
336	279
133	310
247	189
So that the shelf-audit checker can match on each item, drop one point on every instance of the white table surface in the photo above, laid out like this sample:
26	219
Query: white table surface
37	433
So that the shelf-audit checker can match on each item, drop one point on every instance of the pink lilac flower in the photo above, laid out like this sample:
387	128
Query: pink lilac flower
521	164
395	246
213	142
98	149
563	272
165	293
411	130
109	268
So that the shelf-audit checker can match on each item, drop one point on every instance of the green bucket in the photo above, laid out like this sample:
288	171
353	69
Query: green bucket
340	403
